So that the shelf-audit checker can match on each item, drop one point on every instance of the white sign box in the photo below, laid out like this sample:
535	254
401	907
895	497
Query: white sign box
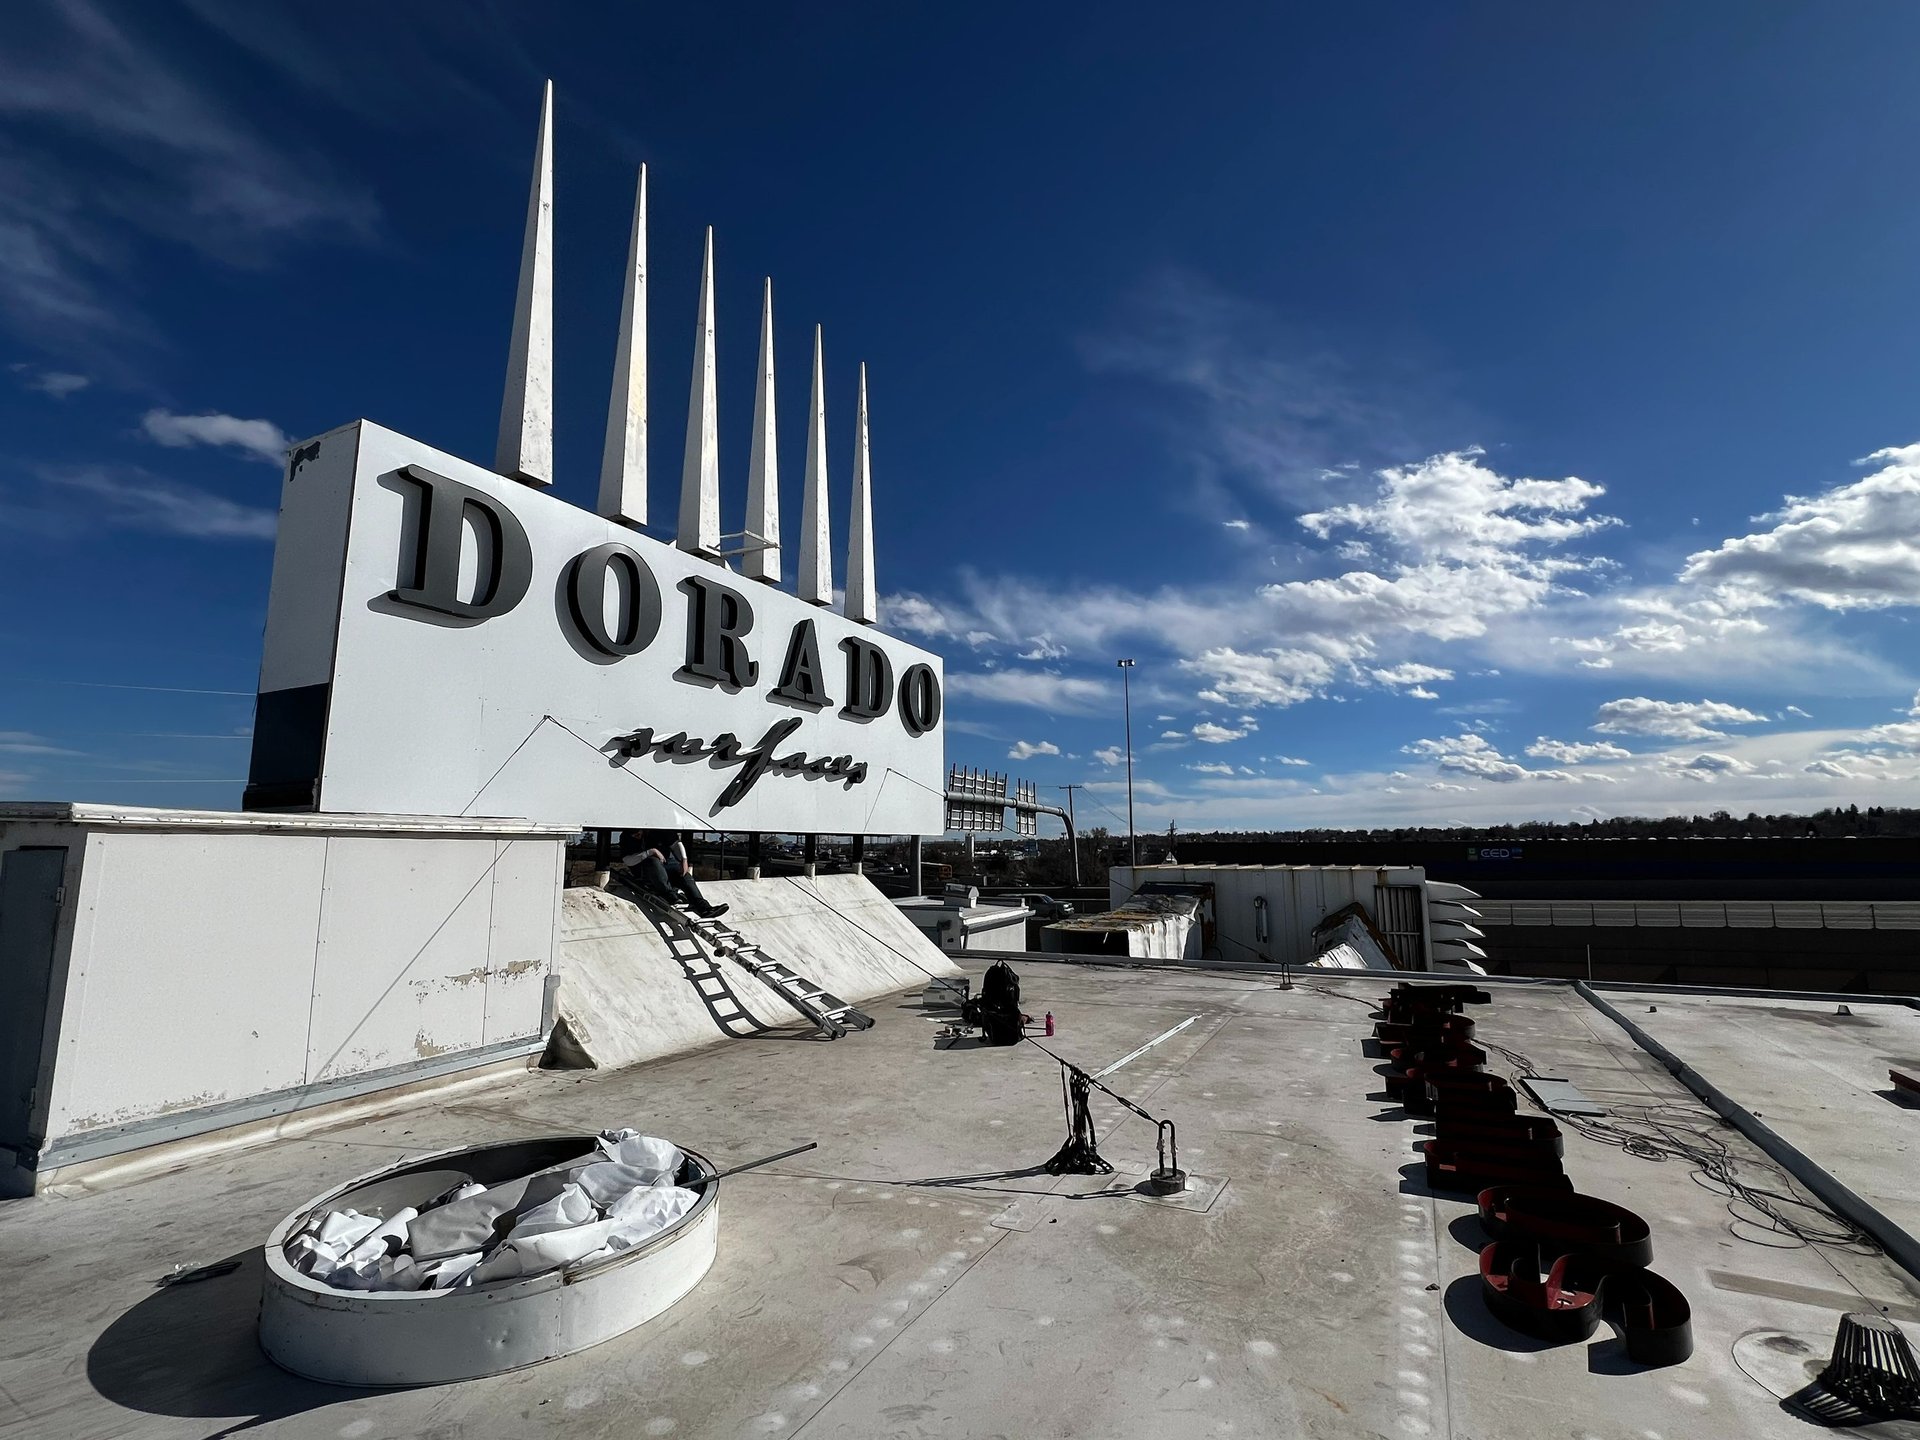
441	641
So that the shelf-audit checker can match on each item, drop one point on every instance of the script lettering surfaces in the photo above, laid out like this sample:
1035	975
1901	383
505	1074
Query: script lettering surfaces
725	750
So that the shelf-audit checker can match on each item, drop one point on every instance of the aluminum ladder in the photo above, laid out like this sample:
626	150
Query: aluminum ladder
702	969
833	1015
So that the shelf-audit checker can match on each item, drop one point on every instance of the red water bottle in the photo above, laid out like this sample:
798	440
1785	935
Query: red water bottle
1049	1022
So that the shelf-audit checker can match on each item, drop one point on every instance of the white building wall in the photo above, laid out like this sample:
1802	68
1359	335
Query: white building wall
212	968
1298	898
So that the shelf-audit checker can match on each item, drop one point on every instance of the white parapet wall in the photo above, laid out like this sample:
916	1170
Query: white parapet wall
623	998
165	973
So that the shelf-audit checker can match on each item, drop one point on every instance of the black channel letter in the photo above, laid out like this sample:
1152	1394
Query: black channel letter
869	679
716	619
919	699
639	595
800	678
506	559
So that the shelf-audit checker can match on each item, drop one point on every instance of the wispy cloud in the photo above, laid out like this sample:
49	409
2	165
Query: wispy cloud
58	384
1254	401
261	439
71	499
1042	689
130	144
21	742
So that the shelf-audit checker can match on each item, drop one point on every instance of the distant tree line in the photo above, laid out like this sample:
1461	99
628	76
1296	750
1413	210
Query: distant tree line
1876	820
1006	861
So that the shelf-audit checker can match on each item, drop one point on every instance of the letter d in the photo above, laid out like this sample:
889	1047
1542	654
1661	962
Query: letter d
505	568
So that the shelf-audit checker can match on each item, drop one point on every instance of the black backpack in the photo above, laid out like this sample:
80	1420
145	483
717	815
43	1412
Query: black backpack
1000	988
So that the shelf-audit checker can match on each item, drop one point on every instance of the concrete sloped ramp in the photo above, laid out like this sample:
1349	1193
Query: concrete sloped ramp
624	998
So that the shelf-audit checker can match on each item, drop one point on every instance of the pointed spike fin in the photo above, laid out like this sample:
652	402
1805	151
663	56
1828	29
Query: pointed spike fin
763	468
816	560
525	451
623	460
699	528
861	604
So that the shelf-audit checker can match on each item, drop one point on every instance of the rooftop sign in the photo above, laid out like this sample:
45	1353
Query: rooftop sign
448	640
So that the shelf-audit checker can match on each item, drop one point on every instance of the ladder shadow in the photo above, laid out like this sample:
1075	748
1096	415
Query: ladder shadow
723	1005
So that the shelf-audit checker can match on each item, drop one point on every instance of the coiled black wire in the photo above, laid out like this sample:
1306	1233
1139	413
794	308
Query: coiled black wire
1771	1214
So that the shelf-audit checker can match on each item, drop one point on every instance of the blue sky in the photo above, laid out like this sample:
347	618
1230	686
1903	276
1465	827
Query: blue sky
1461	412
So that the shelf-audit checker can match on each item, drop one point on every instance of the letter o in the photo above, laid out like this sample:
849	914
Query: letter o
587	599
919	699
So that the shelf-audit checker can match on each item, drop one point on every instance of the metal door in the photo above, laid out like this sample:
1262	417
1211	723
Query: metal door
31	893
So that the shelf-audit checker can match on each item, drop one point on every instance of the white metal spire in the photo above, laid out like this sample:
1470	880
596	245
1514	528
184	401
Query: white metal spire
525	451
762	560
623	462
699	529
861	604
816	544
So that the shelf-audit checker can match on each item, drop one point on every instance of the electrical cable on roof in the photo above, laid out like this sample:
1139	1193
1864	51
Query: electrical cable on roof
1662	1132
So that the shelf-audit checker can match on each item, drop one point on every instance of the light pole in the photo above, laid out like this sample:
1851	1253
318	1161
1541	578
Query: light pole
1126	693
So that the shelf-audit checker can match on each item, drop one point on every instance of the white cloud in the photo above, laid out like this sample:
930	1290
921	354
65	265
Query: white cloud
1796	710
1574	752
261	439
977	638
1420	692
1855	546
1212	769
1706	767
1409	674
1209	733
1901	736
1044	648
1473	754
1291	760
1111	755
1276	677
1671	719
918	614
1042	689
1836	769
1451	508
1446	785
1238	524
1027	749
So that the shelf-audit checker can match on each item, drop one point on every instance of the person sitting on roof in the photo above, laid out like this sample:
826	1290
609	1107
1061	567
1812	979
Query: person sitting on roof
657	859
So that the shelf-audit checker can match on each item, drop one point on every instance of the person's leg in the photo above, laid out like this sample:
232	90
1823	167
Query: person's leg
687	886
652	877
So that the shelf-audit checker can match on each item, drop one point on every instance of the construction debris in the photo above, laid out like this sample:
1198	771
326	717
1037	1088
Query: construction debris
584	1209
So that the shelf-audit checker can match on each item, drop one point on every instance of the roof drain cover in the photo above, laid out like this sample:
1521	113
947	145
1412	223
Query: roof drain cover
1872	1376
429	1337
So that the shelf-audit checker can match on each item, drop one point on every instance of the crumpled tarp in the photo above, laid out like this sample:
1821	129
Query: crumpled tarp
477	1235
